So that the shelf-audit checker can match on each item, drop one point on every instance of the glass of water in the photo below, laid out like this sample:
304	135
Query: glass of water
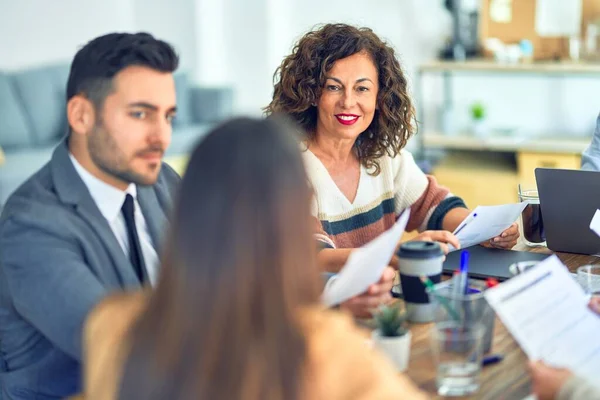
457	353
589	278
532	224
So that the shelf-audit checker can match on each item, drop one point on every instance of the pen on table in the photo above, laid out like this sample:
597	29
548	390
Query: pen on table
443	301
491	359
465	223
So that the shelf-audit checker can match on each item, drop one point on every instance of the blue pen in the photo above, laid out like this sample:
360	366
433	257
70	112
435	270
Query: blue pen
463	274
465	223
492	359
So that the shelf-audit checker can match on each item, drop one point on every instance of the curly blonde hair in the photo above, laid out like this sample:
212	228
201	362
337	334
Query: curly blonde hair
300	78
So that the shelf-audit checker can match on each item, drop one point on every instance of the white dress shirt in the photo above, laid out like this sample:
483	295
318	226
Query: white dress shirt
110	200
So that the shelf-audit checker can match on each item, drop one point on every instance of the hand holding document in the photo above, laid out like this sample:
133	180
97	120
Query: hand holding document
365	265
486	222
546	312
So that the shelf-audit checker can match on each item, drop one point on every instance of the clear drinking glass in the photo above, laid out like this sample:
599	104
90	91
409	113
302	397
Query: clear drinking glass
588	277
457	353
532	224
468	309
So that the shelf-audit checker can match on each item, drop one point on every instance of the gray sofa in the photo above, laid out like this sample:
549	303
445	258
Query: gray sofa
33	119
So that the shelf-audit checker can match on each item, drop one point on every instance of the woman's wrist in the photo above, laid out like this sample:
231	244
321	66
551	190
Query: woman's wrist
332	260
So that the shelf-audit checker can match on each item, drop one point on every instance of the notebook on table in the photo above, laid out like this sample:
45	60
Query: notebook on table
489	263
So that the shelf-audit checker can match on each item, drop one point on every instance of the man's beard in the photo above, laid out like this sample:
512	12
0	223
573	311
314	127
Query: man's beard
109	158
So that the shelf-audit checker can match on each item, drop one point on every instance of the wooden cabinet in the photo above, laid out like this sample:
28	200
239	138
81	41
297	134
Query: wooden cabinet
527	163
479	179
488	178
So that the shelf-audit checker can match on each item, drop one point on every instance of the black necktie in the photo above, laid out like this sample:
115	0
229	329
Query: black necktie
135	248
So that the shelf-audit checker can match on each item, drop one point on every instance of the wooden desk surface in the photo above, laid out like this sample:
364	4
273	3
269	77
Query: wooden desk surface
508	379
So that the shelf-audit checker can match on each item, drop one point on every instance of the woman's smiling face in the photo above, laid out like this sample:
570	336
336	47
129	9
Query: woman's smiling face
349	97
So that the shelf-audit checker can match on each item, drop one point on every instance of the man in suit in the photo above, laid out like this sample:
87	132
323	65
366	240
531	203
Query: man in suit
90	221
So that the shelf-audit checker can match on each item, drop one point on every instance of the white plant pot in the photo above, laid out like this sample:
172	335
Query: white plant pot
397	348
480	128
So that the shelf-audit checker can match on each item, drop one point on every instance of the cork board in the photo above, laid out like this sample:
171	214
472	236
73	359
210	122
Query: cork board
522	26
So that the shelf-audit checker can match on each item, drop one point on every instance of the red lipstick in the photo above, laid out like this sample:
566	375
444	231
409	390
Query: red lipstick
347	119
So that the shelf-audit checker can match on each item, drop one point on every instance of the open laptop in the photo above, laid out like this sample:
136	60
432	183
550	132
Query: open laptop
489	263
568	200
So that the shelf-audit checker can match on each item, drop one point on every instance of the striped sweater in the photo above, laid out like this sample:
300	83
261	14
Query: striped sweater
378	203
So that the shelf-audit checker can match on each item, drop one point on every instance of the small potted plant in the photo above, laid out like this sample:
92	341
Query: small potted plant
392	335
478	117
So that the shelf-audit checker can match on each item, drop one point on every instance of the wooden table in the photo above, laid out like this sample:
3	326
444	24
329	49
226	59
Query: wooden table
508	379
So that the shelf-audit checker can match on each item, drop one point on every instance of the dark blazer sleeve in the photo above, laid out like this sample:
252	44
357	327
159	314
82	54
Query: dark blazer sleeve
50	284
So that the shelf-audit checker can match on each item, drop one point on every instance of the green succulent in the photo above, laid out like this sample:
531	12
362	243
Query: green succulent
478	111
391	321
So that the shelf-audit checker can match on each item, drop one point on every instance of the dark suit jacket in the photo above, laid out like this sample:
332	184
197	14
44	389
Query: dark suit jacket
58	259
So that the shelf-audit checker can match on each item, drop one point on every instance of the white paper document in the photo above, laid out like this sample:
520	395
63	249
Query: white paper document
365	265
595	223
558	17
490	222
546	312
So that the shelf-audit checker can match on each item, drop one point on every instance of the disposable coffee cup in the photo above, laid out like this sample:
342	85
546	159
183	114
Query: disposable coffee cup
418	259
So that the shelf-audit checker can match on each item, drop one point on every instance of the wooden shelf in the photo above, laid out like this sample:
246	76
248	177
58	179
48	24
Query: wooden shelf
506	143
560	68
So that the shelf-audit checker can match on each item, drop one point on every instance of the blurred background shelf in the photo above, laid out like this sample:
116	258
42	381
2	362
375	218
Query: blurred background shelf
487	171
548	144
483	65
488	176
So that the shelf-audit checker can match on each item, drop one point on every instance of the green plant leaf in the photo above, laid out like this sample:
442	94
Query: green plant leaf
391	322
477	111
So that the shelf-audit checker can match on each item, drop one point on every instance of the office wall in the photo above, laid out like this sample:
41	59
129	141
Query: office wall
241	42
170	20
37	32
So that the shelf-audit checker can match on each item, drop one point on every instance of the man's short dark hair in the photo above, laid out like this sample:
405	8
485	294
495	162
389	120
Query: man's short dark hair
96	63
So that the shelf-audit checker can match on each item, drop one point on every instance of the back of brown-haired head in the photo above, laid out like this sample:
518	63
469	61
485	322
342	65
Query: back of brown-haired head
222	323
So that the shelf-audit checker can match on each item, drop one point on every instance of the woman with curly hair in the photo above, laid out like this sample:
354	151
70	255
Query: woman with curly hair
346	88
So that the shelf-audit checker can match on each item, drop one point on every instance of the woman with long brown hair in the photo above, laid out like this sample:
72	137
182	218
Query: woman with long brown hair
235	314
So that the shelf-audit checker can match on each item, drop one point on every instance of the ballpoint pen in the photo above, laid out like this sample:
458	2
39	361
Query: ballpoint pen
467	220
492	359
463	274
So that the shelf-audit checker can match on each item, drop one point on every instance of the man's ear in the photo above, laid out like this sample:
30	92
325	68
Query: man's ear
80	114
